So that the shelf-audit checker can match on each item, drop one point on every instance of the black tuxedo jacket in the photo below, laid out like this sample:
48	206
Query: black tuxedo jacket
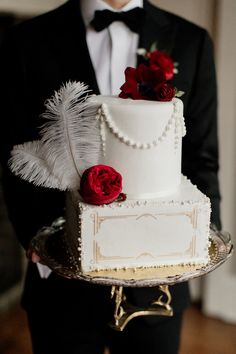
41	54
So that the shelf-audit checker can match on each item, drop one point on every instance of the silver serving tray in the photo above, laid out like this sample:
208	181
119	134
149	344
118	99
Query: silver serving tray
50	244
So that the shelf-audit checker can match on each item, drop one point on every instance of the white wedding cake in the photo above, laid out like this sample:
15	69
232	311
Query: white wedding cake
103	150
165	219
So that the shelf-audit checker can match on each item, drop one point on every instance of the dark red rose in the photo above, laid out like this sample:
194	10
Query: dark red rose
130	88
163	61
141	82
164	92
100	184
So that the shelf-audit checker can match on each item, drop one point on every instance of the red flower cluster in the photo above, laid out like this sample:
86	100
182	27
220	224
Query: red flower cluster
149	82
100	184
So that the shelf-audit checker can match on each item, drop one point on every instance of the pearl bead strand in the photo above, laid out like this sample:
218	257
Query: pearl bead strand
105	118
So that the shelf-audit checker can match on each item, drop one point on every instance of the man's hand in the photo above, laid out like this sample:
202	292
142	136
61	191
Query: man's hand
32	256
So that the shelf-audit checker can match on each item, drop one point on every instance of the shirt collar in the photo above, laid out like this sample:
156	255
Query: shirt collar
88	7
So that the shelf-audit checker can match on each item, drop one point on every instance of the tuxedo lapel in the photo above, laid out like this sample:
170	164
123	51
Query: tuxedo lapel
157	29
71	50
70	46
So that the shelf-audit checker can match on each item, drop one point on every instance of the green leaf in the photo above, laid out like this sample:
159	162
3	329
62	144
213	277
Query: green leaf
153	47
179	93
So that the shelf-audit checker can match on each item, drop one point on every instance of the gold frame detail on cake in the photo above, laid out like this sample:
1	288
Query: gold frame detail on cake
99	219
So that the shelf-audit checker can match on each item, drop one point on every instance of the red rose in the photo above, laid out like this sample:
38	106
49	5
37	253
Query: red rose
140	82
100	184
164	92
130	88
163	61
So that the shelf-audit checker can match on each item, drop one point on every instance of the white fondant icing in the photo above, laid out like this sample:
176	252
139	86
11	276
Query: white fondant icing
138	140
143	233
165	220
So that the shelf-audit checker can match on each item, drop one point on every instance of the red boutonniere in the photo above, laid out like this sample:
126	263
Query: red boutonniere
163	61
101	184
151	81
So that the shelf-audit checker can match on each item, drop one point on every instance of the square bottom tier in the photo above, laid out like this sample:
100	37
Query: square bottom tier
172	230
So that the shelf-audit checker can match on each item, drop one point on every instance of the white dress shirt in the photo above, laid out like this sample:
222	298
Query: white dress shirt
111	50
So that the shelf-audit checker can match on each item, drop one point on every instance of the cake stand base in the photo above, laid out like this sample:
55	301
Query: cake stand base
125	312
51	246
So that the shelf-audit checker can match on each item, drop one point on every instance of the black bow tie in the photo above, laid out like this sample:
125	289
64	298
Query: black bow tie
133	19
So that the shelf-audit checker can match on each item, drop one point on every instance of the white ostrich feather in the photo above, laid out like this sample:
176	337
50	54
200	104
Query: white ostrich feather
28	162
71	136
70	141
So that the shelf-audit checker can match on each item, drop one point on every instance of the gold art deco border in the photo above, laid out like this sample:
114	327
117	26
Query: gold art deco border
99	219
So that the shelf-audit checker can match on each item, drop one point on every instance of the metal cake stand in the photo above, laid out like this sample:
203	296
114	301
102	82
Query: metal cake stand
50	244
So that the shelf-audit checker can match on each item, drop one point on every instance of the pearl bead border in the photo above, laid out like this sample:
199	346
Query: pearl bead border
105	119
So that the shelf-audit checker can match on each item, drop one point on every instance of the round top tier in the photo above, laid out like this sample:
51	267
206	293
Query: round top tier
142	140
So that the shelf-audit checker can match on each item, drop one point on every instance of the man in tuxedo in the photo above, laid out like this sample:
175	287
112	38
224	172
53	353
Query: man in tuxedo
70	316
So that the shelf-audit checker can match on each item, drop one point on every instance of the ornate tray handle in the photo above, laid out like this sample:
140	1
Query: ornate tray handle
125	312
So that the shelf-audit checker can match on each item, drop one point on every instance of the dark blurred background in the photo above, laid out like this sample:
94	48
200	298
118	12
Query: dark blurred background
11	260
